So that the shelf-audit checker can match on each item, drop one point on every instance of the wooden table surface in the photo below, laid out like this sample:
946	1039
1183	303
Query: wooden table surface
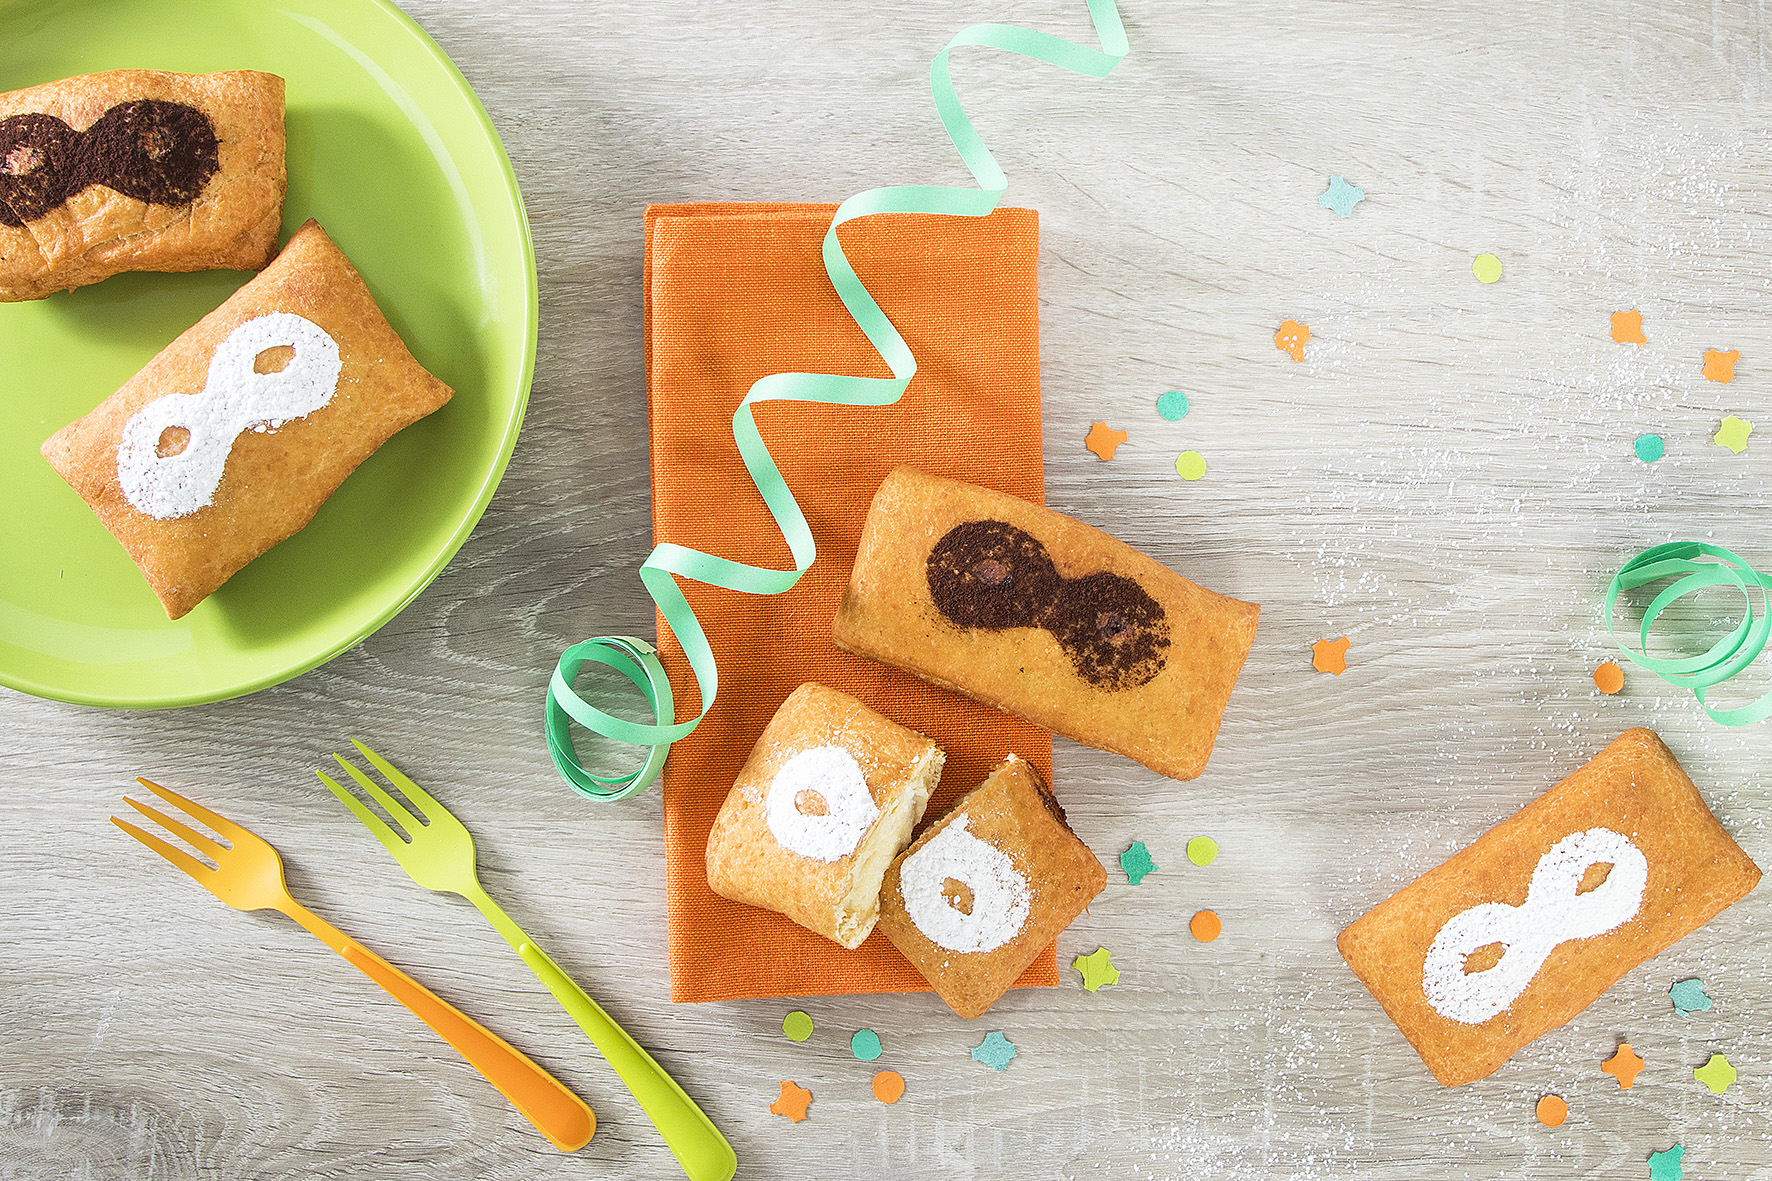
1447	479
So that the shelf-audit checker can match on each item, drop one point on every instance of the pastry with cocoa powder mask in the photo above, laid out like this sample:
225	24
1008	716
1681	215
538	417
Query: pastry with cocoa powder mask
138	170
1038	614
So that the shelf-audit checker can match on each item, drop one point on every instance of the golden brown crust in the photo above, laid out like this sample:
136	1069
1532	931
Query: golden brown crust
1011	811
99	232
747	864
1168	723
1633	787
275	480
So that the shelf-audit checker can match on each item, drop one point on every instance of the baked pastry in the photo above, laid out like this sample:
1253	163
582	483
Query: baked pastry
234	435
827	798
136	170
1032	612
987	887
1521	931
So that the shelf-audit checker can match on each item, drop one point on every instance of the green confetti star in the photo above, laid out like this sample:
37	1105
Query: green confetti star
1688	996
1733	433
1716	1074
1341	197
1137	862
1096	969
1665	1166
994	1051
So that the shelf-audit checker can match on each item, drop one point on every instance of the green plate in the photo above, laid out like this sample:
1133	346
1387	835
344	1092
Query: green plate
391	151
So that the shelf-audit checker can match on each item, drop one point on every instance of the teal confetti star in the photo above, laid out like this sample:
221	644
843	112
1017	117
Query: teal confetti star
1665	1166
1716	1074
994	1051
1688	997
1341	197
1137	862
1096	969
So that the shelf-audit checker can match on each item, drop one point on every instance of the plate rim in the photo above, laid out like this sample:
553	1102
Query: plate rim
489	482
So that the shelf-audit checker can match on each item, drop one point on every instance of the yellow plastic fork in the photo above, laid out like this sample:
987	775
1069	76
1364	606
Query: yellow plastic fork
248	875
438	854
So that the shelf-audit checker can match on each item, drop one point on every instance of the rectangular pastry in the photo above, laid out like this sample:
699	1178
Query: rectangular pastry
138	170
1524	929
234	435
828	797
1032	612
987	887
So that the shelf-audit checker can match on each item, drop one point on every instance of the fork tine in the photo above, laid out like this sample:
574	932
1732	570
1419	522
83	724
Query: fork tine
376	792
208	846
375	824
395	776
233	832
202	873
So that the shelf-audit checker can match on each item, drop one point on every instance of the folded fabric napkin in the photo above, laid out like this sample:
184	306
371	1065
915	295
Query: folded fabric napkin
735	293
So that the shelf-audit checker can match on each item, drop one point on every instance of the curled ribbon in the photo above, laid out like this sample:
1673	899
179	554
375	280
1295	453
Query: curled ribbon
1723	659
635	659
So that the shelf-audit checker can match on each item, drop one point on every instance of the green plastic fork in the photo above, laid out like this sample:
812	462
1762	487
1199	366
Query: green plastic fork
439	855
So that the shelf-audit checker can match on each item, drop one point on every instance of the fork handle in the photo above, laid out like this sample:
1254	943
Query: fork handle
564	1118
700	1149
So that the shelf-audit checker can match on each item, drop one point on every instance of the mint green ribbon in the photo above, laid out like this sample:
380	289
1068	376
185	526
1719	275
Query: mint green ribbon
1723	659
637	660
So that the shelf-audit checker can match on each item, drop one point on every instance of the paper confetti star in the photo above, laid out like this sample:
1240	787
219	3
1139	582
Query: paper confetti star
994	1051
1104	440
1716	1074
1720	366
1733	433
1623	1066
1136	861
1688	997
793	1102
1665	1166
1330	656
1096	970
1627	327
1341	197
1291	338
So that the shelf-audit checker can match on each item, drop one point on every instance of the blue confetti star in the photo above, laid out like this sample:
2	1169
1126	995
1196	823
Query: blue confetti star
1688	997
994	1051
1341	197
1666	1166
1137	862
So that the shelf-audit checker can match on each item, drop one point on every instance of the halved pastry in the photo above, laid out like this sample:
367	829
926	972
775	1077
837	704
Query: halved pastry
827	798
986	888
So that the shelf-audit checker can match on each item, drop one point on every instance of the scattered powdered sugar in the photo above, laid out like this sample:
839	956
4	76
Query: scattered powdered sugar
235	398
1552	913
1000	897
836	777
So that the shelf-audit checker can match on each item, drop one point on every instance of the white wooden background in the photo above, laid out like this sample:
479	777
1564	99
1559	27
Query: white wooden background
1447	479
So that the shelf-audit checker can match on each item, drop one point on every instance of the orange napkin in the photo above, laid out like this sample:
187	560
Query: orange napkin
737	292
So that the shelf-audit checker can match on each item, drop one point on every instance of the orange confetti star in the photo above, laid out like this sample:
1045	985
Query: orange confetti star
1330	656
1624	1066
1627	327
1104	440
1291	338
1720	366
793	1102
